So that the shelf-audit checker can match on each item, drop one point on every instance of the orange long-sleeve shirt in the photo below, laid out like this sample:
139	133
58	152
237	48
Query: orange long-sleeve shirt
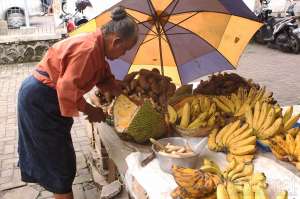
75	65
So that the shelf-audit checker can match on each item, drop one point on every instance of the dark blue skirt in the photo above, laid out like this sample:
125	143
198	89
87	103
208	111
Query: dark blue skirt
46	152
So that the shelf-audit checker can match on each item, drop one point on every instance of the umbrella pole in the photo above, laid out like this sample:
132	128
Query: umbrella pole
160	51
165	109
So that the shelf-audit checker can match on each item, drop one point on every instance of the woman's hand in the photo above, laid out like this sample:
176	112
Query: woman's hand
94	114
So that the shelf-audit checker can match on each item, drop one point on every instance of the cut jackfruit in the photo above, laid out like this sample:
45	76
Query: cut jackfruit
139	123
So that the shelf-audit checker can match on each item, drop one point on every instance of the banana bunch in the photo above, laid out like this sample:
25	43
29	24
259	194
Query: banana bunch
238	179
237	173
286	148
238	103
289	120
235	138
194	183
198	112
264	120
229	191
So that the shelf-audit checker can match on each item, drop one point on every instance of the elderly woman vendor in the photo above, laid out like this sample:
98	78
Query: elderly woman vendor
53	94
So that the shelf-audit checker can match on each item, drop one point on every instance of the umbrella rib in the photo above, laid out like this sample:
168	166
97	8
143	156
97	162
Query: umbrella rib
171	10
226	13
179	33
197	12
149	40
139	22
182	21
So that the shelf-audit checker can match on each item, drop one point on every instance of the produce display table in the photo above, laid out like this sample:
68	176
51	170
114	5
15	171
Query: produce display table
125	158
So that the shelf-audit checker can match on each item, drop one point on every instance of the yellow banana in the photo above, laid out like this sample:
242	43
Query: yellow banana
243	109
211	121
271	131
237	133
263	115
247	141
230	167
211	169
221	105
291	122
239	168
228	103
211	163
237	101
260	94
282	195
221	192
221	133
257	177
249	117
247	133
293	131
261	193
206	104
257	110
269	120
247	171
212	145
278	111
297	148
280	142
288	114
212	109
290	143
232	191
198	121
172	114
240	158
247	192
244	150
179	112
186	113
235	125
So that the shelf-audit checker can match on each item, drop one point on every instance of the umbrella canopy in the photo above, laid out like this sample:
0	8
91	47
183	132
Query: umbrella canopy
184	39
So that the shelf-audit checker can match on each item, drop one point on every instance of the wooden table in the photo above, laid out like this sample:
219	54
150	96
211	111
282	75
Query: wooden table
107	142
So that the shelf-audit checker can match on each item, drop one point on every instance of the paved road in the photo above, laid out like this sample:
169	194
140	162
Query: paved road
278	71
11	77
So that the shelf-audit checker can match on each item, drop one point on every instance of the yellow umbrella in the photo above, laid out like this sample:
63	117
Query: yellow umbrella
184	39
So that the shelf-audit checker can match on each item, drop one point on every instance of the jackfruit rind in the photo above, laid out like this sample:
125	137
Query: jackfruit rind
123	112
147	123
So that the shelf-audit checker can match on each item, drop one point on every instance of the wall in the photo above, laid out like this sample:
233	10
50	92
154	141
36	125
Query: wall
34	6
19	52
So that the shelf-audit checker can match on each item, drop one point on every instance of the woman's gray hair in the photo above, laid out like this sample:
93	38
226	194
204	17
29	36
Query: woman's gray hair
121	24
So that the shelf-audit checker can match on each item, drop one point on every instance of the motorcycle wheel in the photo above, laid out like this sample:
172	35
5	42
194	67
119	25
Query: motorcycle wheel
294	42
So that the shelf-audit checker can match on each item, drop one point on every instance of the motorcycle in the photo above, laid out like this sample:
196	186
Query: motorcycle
278	32
72	21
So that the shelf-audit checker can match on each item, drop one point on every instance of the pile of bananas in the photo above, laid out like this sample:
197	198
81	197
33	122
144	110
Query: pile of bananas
237	173
286	148
194	183
238	103
229	192
235	138
196	112
239	181
264	120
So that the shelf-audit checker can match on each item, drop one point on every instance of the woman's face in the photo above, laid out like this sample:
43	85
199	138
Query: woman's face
115	47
